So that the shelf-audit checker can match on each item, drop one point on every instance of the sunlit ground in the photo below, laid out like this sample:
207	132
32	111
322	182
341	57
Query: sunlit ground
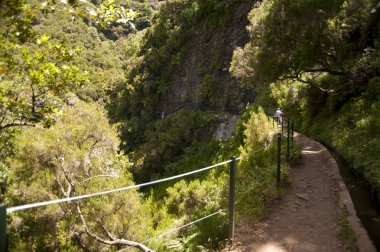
284	245
270	247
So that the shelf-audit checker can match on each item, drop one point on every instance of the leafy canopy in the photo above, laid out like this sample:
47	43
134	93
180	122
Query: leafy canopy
34	80
303	39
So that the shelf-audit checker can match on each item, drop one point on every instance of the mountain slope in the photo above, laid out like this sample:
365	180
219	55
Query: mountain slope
203	79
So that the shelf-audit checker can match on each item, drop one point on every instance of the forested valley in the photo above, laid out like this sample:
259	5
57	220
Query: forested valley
100	95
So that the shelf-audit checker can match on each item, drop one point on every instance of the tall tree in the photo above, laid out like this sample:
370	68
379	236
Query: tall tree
304	40
35	73
34	80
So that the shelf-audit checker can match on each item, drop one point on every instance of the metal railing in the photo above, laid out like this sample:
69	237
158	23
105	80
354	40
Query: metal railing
232	182
289	125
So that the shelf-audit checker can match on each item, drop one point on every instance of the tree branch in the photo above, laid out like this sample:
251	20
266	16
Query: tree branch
297	75
77	238
114	241
3	117
98	176
33	100
68	178
327	70
61	187
330	91
105	231
14	124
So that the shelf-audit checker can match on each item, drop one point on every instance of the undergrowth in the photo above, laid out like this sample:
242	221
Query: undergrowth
188	199
346	232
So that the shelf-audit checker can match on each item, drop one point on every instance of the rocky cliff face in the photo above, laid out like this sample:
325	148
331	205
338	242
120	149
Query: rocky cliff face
203	80
225	127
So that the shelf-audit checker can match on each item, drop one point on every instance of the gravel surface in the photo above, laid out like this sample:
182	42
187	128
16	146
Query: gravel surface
306	218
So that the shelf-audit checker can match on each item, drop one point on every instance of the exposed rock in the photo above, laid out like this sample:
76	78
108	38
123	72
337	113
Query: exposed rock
226	128
209	54
303	196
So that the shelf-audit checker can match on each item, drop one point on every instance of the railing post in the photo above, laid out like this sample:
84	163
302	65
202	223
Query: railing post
231	228
3	228
278	160
287	144
282	125
292	131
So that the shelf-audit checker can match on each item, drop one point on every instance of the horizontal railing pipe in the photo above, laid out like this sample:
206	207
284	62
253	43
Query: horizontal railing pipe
6	210
57	201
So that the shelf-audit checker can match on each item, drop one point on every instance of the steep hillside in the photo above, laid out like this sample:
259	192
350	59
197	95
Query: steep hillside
203	80
60	61
183	60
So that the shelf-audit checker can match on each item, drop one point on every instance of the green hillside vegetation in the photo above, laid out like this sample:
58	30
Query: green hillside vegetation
203	194
73	159
158	52
80	83
320	61
82	91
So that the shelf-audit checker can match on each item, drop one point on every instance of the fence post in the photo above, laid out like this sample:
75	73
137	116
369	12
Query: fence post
282	126
292	131
287	144
231	228
278	160
273	121
3	228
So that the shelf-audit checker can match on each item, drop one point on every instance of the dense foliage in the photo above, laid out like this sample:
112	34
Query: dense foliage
157	55
67	69
35	81
170	138
206	193
306	40
71	159
51	53
320	61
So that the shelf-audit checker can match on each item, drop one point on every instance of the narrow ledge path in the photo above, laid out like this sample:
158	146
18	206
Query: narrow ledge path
307	216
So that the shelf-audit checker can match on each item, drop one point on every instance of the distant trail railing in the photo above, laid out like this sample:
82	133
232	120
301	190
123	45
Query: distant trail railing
233	110
233	167
289	125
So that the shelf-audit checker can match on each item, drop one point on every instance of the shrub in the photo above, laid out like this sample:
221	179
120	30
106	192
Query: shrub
76	156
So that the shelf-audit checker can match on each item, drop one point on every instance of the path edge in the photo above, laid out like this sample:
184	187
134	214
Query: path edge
363	242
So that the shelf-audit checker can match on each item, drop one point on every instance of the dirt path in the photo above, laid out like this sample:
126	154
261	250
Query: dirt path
307	217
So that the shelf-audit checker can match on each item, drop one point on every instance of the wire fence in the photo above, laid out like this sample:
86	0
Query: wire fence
68	199
232	202
257	151
220	211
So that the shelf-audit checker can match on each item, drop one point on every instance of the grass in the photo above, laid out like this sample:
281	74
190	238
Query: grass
346	233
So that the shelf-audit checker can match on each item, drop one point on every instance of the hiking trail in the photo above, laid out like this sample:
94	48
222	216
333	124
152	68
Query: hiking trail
307	216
